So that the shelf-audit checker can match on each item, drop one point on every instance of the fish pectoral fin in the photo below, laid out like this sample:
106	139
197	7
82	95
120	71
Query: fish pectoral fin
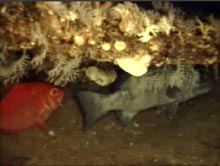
173	92
41	124
170	109
124	117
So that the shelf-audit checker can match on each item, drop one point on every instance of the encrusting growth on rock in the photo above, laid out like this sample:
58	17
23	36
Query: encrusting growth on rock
58	37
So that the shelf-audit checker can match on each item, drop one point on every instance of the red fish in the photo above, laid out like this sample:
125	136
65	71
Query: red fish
29	104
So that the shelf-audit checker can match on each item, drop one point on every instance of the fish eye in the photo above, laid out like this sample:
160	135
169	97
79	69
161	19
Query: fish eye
54	92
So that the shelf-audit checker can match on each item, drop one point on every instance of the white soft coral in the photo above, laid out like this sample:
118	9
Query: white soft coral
132	19
16	70
39	38
65	70
90	13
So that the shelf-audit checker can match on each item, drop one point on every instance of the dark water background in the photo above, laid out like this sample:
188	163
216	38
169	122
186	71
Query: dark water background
191	7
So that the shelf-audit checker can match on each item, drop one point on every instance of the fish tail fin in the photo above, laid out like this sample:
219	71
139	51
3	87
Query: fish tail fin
92	107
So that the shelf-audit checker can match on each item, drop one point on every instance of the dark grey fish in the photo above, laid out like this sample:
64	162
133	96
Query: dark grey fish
140	93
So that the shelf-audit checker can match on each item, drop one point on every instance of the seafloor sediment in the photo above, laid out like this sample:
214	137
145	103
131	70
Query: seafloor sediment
191	138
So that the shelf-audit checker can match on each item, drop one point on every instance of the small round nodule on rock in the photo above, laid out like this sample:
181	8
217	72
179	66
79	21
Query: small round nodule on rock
120	45
79	40
106	46
101	77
